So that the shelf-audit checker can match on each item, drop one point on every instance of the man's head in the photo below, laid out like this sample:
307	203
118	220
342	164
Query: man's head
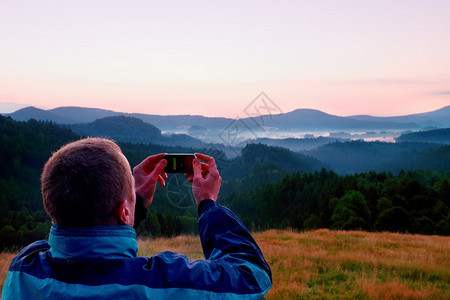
86	183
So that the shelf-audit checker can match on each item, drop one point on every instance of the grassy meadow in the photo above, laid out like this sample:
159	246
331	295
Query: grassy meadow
324	264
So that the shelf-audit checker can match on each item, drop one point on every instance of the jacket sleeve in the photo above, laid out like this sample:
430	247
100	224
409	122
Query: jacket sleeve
234	267
227	243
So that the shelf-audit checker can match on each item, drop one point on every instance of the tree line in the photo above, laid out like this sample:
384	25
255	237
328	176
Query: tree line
414	202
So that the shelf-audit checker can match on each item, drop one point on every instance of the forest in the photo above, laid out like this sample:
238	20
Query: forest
267	187
414	202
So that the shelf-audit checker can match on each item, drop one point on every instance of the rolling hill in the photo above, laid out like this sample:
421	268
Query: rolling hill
438	136
437	118
300	119
133	130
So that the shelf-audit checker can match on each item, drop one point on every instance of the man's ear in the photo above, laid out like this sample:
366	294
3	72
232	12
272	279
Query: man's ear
124	213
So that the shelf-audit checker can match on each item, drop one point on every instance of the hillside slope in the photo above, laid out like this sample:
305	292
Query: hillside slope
133	130
360	156
439	136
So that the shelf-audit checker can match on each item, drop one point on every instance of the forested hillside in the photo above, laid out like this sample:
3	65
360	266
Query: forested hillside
439	136
415	202
360	156
24	148
260	164
132	130
269	187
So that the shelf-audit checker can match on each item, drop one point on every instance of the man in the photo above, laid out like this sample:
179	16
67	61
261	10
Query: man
89	192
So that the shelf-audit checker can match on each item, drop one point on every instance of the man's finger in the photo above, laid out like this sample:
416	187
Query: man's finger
208	159
197	168
161	181
189	177
148	164
159	169
204	157
205	167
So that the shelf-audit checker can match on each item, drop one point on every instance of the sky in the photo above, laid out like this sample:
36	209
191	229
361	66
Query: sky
214	58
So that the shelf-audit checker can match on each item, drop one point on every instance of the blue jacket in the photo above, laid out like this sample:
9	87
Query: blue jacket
102	263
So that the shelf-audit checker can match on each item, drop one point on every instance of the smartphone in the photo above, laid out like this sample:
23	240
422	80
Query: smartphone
179	162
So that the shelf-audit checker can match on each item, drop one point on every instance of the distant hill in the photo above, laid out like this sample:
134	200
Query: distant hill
295	144
297	120
438	136
133	130
437	118
120	128
254	154
259	165
310	119
360	156
31	112
184	122
77	115
74	114
62	115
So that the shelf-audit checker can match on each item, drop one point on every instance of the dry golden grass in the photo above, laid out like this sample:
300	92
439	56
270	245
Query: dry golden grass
189	245
325	264
336	264
5	261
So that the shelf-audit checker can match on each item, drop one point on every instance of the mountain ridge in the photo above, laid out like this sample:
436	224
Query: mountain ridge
299	119
439	117
133	130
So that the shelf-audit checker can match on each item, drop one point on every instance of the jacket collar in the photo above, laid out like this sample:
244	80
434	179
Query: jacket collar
105	242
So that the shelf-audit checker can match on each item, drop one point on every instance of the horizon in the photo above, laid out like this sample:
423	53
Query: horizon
378	58
3	112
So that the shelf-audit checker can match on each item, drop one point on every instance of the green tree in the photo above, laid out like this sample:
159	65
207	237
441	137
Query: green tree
9	238
394	219
313	222
443	226
383	203
351	212
150	226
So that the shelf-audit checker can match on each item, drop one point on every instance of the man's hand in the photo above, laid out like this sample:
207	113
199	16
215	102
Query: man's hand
206	180
146	174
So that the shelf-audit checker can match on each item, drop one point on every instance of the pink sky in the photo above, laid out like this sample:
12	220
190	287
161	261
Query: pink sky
213	58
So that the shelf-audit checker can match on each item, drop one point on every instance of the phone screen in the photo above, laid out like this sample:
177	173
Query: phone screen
179	162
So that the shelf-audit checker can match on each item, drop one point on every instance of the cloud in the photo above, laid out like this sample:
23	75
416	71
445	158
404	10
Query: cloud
443	93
